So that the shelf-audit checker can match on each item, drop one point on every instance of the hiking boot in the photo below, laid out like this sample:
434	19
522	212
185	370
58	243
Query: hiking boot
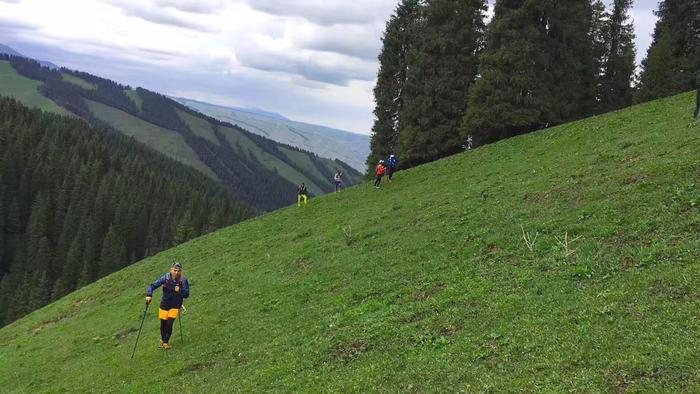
166	346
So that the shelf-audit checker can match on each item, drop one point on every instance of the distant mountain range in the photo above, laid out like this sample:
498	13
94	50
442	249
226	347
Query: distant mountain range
349	147
4	49
260	171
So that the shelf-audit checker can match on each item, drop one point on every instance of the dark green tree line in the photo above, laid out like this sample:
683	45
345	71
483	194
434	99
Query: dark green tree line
447	82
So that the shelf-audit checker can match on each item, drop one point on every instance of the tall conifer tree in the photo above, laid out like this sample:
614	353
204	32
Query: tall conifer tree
442	67
672	63
537	71
399	38
619	66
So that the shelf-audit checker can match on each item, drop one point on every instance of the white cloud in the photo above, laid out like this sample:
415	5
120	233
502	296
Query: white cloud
328	12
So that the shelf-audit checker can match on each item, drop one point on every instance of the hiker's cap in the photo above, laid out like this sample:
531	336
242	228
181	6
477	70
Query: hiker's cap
176	265
381	161
391	156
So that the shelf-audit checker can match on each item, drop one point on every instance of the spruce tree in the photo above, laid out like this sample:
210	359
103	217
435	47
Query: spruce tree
672	63
537	70
599	33
39	291
38	226
13	230
619	66
114	254
185	229
399	38
442	67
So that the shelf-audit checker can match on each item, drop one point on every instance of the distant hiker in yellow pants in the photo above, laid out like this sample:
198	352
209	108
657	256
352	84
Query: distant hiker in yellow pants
175	290
302	193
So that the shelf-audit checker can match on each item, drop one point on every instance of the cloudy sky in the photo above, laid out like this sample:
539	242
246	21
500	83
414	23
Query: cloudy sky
311	60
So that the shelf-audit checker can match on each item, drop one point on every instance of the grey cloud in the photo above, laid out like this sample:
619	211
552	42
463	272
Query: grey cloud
149	13
194	6
351	40
327	12
6	24
310	67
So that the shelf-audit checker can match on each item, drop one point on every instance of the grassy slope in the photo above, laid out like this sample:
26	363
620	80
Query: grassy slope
78	81
199	126
236	139
25	90
436	291
135	97
163	140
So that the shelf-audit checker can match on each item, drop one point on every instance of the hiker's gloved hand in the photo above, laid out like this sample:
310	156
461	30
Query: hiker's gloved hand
148	299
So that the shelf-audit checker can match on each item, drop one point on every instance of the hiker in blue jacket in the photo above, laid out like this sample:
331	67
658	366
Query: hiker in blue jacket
175	290
391	166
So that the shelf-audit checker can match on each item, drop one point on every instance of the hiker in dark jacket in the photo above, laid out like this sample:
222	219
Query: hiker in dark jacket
391	166
175	290
338	180
302	194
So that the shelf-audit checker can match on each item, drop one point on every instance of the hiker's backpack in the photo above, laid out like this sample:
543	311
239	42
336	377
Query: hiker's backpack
170	283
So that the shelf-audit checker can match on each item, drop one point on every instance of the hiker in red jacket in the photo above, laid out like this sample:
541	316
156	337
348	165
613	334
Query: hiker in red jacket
380	173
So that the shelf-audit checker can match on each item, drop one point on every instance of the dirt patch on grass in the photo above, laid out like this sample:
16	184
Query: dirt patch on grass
302	263
46	324
347	351
536	196
622	381
428	294
451	330
301	235
121	334
80	303
196	367
634	179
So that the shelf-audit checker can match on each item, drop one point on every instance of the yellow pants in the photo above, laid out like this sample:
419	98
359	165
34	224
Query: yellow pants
170	313
299	197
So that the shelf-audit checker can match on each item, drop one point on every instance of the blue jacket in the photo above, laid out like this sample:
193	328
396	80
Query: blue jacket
392	162
171	299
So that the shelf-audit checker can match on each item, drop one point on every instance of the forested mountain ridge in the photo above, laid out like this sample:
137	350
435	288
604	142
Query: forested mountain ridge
78	203
260	171
349	147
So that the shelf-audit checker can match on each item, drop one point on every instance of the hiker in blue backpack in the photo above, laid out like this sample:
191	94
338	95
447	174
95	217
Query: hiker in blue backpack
391	166
175	290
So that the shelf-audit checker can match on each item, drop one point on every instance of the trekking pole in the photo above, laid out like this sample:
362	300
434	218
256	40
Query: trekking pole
182	309
139	334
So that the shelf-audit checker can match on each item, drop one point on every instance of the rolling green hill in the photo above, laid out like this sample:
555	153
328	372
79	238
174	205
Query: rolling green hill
26	90
260	171
563	260
349	147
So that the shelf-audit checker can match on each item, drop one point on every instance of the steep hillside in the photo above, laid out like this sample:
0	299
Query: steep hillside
260	171
562	260
349	147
